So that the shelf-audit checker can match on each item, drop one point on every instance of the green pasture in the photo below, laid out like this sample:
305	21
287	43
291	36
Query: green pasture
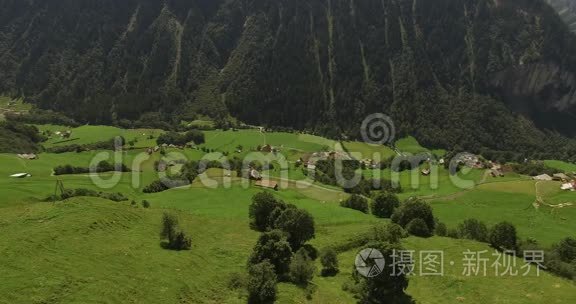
560	165
92	134
88	250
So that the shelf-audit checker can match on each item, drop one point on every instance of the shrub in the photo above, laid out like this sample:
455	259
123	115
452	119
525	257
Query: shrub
262	282
164	184
329	261
176	239
145	204
302	268
473	229
356	202
311	250
384	205
566	250
237	281
441	229
390	233
503	236
69	193
452	233
418	227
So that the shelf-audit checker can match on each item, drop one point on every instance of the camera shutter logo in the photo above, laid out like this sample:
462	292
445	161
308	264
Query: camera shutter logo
370	262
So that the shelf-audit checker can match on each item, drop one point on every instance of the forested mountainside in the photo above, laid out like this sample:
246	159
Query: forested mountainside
473	73
567	11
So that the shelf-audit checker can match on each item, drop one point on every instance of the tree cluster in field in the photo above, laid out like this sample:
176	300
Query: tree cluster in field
533	168
43	117
186	176
178	139
16	137
281	253
81	192
145	204
560	259
111	144
414	214
325	173
101	167
172	236
164	184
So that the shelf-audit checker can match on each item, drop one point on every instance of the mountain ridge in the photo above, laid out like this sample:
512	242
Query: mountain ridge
465	72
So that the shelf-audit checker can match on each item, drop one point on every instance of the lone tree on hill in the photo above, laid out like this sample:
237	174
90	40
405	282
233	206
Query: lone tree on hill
418	227
503	236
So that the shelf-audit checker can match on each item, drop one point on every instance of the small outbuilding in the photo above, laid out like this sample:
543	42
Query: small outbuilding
560	177
20	175
267	184
30	156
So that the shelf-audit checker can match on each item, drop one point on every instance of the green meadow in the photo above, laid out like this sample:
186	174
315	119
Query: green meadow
90	250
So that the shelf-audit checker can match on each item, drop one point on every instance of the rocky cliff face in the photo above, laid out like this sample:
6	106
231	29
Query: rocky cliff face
321	65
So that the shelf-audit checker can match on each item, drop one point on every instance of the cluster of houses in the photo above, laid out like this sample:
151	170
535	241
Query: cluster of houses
155	149
309	160
568	183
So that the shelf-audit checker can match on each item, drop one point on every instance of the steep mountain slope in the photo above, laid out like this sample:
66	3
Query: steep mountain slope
475	73
567	11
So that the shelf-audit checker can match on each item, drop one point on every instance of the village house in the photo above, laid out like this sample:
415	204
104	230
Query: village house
542	177
569	186
255	175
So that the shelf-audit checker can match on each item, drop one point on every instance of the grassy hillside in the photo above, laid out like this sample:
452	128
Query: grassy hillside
90	250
